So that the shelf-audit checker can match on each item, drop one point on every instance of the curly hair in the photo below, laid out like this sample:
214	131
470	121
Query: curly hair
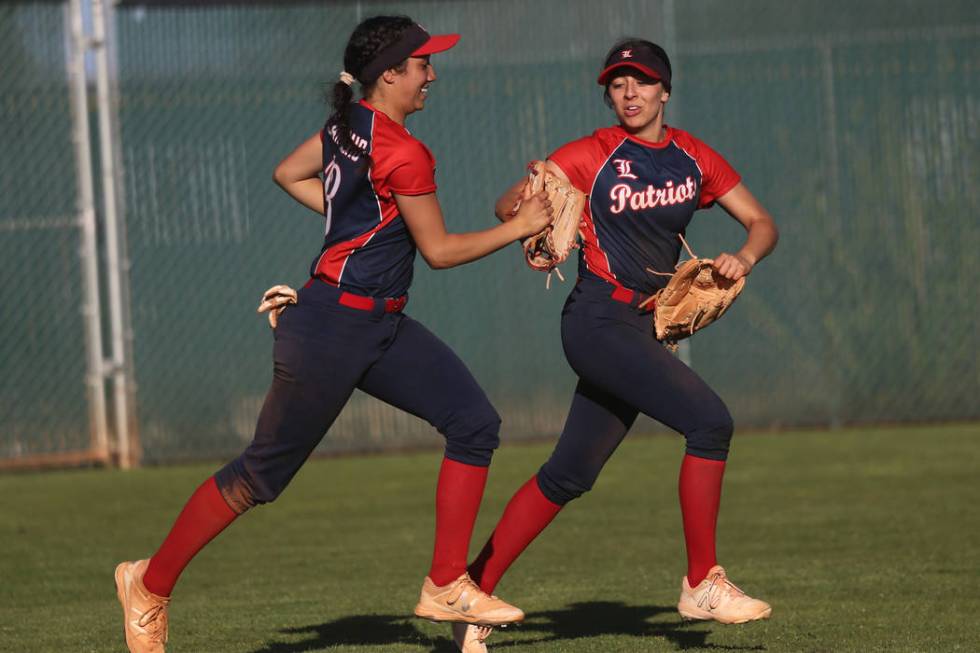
366	41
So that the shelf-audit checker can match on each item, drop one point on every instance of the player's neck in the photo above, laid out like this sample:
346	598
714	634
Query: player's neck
388	108
653	132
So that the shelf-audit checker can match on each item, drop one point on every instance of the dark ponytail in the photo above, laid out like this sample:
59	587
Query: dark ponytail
366	41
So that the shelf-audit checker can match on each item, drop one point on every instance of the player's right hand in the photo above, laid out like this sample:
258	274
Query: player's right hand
534	214
275	300
732	266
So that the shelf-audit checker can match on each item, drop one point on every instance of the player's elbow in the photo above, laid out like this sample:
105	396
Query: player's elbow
773	234
439	252
286	175
439	258
439	262
279	176
764	225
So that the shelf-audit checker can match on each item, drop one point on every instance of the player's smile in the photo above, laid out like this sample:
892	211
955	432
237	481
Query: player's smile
420	75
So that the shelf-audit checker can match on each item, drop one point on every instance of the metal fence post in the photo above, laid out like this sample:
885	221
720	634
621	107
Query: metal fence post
106	99
91	308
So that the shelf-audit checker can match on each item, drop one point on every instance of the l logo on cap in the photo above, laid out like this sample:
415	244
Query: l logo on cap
626	54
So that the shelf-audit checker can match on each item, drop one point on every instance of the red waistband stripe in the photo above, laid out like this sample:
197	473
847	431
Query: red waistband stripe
362	303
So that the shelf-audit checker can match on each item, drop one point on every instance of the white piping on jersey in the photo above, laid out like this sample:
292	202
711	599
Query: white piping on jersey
696	164
320	259
596	229
377	201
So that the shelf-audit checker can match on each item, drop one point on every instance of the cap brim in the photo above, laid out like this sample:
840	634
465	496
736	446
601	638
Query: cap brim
649	72
437	43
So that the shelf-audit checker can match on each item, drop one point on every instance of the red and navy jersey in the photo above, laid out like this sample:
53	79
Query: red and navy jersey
641	196
367	248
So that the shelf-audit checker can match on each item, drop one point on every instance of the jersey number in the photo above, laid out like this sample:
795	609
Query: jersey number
331	184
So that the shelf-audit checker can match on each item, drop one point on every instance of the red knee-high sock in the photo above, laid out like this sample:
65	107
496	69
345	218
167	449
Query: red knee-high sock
458	497
700	491
526	515
204	516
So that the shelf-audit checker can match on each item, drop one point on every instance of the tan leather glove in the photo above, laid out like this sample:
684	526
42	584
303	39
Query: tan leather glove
550	248
275	300
695	296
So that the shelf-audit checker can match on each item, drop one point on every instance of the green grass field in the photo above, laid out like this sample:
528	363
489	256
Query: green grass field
863	540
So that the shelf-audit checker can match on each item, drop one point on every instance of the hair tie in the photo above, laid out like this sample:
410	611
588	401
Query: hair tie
346	77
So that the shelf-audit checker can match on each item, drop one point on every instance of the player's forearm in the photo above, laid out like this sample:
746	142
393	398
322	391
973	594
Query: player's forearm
505	203
456	249
308	192
298	173
760	242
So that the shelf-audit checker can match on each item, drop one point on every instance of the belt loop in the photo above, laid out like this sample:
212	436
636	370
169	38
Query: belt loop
395	304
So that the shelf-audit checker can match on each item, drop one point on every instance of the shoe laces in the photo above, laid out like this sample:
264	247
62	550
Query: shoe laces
719	588
466	585
154	621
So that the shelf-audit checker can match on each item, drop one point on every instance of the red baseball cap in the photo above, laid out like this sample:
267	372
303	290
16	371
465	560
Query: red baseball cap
436	43
641	57
415	41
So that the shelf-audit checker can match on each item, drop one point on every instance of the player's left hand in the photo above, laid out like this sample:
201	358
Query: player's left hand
732	266
275	300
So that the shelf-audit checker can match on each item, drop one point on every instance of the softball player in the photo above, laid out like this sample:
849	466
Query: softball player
374	184
644	180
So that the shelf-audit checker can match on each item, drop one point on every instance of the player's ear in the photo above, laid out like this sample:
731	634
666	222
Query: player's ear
389	75
665	96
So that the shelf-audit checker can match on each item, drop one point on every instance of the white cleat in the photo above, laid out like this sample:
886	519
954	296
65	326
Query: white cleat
719	599
462	600
144	613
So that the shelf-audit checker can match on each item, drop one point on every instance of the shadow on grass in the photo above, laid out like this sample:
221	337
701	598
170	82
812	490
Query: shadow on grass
576	621
596	618
363	630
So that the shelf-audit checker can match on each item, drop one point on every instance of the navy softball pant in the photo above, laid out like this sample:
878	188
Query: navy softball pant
323	350
623	370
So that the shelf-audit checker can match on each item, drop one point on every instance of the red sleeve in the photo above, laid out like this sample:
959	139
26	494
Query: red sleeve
412	169
580	160
717	175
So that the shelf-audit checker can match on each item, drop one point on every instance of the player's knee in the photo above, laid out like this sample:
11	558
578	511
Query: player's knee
472	436
713	435
560	486
242	489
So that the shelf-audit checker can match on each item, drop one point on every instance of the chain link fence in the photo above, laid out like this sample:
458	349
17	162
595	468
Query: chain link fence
43	408
857	126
